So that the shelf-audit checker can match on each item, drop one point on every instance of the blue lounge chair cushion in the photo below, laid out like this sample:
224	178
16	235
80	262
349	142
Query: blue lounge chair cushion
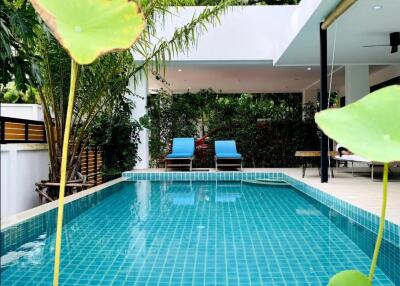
229	155
226	149
180	155
182	148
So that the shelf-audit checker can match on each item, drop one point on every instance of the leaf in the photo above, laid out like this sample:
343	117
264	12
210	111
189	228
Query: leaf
349	278
88	29
369	127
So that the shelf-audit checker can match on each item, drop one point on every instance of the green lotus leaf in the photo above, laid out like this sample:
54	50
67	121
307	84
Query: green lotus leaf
369	127
88	29
349	278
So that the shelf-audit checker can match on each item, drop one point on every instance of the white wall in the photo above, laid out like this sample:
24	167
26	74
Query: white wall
310	95
384	74
140	101
23	111
356	82
21	166
248	33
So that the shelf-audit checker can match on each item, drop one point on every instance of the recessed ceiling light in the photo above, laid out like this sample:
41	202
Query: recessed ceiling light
179	70
308	68
377	7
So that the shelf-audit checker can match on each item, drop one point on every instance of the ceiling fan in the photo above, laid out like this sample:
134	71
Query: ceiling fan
394	42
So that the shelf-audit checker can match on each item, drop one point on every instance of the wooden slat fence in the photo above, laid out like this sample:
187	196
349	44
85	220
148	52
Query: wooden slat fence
91	164
16	130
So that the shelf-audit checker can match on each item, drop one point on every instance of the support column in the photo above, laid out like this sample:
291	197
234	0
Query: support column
324	102
140	102
356	82
310	95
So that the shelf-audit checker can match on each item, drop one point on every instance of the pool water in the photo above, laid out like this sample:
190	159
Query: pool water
195	233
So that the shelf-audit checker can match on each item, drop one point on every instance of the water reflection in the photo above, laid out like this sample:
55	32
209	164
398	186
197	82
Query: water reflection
140	209
187	193
28	253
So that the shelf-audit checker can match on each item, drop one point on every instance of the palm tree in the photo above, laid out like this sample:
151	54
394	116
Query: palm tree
105	81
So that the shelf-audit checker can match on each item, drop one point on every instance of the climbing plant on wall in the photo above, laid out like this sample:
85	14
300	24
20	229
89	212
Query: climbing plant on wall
117	135
268	128
172	116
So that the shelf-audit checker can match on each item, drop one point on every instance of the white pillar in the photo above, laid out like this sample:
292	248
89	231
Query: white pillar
140	101
310	95
356	82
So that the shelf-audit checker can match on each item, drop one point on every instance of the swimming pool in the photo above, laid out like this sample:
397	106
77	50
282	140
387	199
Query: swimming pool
199	233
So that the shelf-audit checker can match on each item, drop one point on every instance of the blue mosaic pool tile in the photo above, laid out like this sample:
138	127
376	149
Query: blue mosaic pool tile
201	176
45	223
362	217
365	218
199	233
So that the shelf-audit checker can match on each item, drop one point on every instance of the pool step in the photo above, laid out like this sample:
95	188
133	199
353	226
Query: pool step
266	182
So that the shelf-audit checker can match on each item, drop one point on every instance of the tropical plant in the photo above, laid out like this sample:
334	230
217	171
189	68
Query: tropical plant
117	135
85	30
370	128
268	128
10	94
101	86
106	80
17	40
170	116
85	38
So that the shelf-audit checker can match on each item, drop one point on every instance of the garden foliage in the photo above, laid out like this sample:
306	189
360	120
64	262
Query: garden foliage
268	128
117	135
40	61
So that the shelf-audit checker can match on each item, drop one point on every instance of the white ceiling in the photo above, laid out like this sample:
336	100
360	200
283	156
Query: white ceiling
235	78
360	25
243	77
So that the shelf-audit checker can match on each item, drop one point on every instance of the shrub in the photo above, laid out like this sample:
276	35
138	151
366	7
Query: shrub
268	128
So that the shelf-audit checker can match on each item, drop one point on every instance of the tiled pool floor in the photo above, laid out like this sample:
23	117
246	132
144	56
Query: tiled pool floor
198	233
357	190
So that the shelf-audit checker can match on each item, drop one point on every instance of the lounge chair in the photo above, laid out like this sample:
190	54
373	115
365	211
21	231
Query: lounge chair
182	153
358	159
226	154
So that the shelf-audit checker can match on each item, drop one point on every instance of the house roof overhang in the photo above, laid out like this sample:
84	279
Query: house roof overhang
271	48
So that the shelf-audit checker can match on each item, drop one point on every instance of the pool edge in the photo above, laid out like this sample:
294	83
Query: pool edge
33	212
361	216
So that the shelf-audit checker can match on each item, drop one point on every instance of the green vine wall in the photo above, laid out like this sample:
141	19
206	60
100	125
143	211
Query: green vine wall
268	128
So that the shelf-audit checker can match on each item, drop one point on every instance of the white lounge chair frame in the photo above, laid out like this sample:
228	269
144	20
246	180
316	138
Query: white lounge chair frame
357	159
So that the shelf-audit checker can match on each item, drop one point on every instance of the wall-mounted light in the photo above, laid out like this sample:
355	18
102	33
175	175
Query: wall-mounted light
308	68
179	70
377	7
